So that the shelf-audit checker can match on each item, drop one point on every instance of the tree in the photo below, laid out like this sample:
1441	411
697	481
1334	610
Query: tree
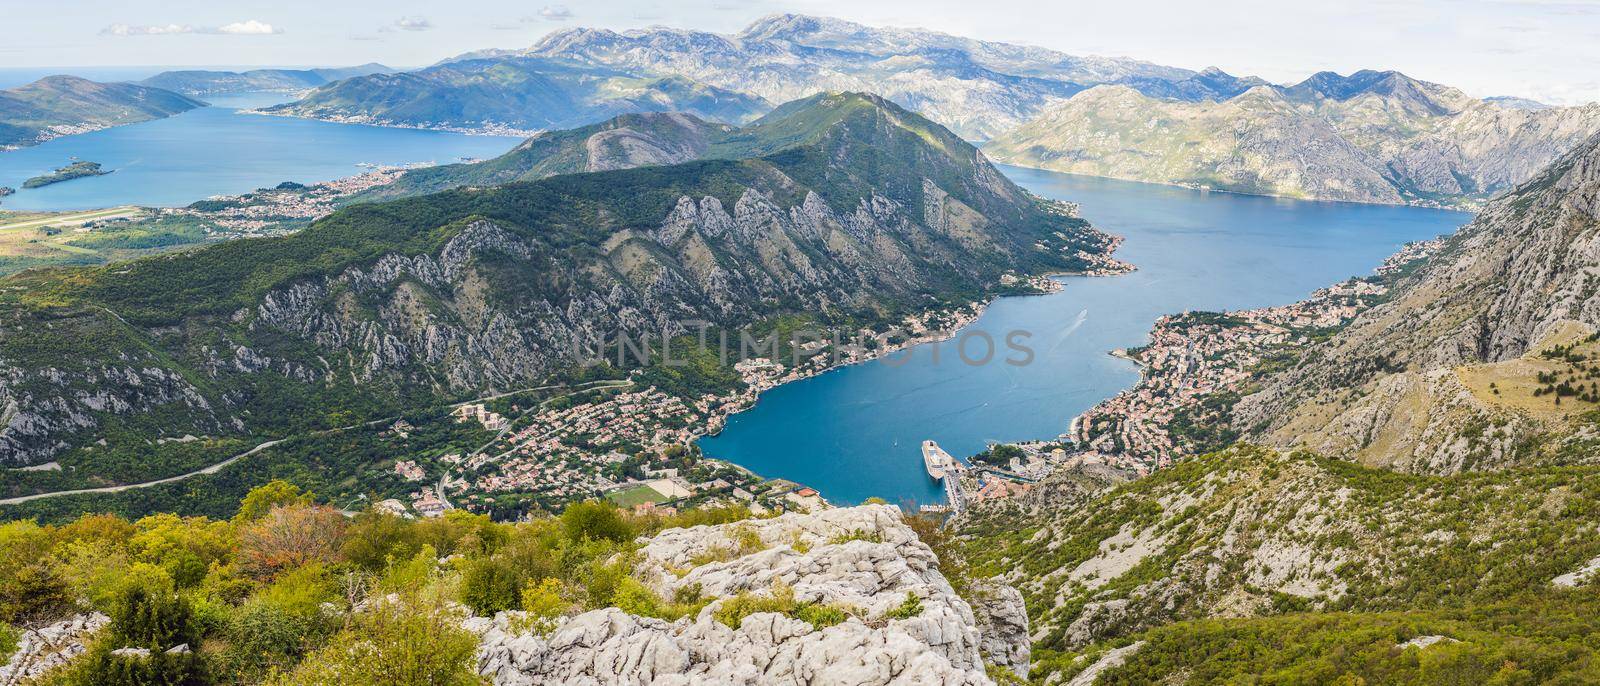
261	499
292	536
595	521
490	585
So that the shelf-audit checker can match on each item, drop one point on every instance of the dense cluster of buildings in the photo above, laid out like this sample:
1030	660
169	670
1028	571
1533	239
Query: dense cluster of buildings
270	212
615	443
1197	355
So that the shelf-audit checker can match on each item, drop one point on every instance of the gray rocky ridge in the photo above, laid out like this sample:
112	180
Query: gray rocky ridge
862	558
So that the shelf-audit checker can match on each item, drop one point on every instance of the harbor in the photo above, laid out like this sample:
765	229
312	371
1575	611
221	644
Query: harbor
947	471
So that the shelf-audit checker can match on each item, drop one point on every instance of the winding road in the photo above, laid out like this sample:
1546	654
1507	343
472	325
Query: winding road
213	469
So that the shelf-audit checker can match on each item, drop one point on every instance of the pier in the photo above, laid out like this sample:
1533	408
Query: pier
946	470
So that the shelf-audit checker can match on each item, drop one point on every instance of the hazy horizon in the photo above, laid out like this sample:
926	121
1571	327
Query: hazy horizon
1547	50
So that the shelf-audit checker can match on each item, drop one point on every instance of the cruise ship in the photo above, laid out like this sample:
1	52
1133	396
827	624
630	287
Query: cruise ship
938	462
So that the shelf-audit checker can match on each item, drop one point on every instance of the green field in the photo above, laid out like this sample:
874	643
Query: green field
630	497
37	239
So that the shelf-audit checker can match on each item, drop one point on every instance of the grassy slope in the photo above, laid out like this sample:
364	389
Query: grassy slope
1382	548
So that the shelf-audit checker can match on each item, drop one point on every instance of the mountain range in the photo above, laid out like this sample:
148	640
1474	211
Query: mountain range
56	106
1372	136
976	88
840	206
207	82
522	94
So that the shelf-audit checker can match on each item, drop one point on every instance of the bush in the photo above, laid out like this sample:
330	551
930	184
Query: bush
292	536
908	608
595	521
36	593
374	540
409	642
544	605
99	667
733	610
157	619
490	585
263	637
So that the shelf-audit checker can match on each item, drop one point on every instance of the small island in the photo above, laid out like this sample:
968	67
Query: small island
6	190
72	171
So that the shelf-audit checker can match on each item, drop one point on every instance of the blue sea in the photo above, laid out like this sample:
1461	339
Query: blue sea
856	432
217	150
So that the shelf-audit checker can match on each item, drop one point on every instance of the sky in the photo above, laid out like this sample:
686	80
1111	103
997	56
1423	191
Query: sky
1543	49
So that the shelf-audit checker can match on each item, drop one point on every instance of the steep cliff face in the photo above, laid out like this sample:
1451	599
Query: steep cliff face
1483	350
844	206
1370	137
864	562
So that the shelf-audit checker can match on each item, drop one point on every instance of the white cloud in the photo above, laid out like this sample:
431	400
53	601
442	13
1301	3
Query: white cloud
555	13
249	27
129	30
413	24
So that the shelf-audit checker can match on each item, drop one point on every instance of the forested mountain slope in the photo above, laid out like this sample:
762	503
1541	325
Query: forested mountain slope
843	207
62	105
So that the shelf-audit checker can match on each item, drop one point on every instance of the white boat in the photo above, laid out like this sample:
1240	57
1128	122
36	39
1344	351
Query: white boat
938	462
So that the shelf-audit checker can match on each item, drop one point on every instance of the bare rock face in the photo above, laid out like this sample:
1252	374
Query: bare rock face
1386	140
41	650
863	558
1002	625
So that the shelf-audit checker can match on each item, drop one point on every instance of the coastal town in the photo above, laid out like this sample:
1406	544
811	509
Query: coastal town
634	445
1198	363
285	208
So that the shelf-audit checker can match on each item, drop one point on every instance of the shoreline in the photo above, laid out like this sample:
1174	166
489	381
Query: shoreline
715	424
503	130
1469	207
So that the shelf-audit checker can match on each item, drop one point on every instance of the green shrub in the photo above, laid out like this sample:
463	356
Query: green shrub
595	521
157	619
820	616
857	535
781	600
908	608
8	641
544	605
34	593
99	667
415	641
490	585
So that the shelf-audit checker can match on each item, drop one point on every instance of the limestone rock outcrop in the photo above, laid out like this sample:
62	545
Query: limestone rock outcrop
43	649
863	559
